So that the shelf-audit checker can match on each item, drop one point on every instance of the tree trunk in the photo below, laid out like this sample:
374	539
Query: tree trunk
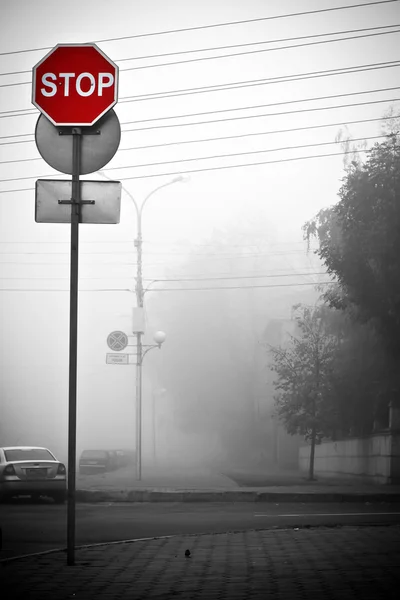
312	454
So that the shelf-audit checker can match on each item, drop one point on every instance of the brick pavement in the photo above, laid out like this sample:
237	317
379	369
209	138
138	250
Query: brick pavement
321	563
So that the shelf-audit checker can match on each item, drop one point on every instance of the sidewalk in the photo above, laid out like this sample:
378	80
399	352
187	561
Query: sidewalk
195	479
203	486
347	562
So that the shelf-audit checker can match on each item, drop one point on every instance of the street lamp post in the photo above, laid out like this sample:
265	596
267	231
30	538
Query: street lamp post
155	394
153	417
159	338
139	298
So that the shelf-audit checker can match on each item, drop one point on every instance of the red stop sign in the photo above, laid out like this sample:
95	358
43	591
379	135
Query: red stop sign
75	84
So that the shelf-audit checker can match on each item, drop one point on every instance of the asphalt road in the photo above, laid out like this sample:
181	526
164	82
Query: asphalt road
28	527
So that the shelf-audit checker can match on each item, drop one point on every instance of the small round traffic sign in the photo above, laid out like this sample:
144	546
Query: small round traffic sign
117	341
75	84
98	145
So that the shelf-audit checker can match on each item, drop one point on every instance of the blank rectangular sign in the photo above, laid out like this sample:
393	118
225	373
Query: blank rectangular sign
105	210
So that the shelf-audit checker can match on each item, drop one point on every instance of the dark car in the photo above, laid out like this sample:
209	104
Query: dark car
97	461
125	457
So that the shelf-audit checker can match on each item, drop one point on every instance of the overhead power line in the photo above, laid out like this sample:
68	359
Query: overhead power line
209	244
232	154
151	242
182	279
259	51
256	106
9	142
228	110
255	82
247	21
257	133
198	158
251	107
232	137
65	290
251	83
21	278
213	255
239	287
233	85
219	168
40	278
275	114
22	112
214	25
314	283
222	167
245	45
251	274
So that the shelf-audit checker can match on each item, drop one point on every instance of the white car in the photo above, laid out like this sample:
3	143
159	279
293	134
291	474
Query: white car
31	471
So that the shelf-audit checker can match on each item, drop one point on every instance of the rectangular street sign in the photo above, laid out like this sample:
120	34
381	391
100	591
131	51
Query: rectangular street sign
117	359
105	210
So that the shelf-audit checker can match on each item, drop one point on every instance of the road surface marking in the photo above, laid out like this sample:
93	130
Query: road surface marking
363	514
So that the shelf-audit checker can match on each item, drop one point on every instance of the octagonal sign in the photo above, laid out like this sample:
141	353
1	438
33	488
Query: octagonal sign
75	84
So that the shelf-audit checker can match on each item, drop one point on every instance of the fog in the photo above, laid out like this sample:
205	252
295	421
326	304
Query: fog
264	162
206	400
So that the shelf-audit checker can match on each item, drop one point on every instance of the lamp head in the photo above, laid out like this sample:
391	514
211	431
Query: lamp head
159	337
181	178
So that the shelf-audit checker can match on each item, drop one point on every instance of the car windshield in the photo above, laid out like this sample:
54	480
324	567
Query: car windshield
94	454
28	454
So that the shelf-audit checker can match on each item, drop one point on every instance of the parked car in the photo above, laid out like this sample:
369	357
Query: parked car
125	457
97	461
113	460
31	471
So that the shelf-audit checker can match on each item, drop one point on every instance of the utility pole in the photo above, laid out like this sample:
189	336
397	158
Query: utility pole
159	336
139	349
154	428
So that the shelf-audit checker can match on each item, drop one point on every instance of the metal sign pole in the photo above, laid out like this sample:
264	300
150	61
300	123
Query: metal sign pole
71	111
73	341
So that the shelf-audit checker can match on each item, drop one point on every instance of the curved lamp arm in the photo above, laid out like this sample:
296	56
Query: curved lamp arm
148	350
147	289
174	180
138	210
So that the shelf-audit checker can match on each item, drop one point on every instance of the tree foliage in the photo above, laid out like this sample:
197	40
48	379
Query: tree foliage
359	242
303	380
362	380
335	375
391	121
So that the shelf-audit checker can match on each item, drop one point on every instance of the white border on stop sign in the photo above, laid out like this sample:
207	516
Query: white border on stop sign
116	87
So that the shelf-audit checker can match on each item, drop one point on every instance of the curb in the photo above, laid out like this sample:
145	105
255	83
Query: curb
294	527
230	496
83	546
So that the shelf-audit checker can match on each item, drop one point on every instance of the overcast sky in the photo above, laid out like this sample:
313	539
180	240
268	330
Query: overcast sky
141	37
289	192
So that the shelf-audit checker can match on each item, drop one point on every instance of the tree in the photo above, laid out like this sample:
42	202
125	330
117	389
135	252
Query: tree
391	121
359	242
304	373
351	151
361	380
